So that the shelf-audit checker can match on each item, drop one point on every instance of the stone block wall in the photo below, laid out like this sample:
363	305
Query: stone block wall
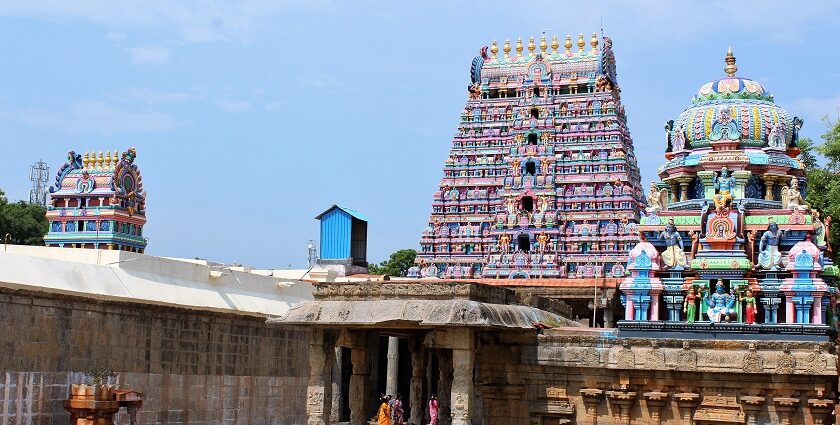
194	367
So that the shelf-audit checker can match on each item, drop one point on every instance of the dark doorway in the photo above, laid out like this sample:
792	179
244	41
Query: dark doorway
528	203
535	113
523	242
532	139
537	91
531	168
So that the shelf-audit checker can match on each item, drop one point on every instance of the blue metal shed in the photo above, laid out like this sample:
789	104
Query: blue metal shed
343	235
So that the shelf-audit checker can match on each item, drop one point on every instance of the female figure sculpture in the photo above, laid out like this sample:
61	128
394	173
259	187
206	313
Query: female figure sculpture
749	307
720	305
690	305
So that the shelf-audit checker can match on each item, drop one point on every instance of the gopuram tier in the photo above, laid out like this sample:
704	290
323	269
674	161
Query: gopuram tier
727	238
541	180
98	202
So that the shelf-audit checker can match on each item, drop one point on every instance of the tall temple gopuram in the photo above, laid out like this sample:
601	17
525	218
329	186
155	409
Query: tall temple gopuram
98	202
541	180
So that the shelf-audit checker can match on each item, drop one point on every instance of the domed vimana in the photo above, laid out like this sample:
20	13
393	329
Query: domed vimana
736	240
541	180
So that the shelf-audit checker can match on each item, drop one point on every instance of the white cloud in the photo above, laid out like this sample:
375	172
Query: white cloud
149	54
233	105
92	117
815	109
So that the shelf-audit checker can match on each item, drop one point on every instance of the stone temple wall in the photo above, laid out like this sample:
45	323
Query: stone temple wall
192	366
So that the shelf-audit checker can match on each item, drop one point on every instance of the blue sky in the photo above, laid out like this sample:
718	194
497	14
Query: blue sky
251	118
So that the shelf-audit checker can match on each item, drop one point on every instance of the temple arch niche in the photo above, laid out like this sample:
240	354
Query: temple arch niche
523	242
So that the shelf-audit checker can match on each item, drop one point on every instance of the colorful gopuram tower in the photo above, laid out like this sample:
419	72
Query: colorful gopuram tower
541	180
727	236
98	202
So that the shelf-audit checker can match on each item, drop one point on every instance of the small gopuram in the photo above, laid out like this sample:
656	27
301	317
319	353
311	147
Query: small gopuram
541	180
98	202
727	238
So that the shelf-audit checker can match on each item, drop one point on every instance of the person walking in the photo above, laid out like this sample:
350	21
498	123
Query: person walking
433	410
384	415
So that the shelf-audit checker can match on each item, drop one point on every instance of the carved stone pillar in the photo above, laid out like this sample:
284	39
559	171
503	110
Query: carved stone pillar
319	391
752	405
444	386
674	187
785	406
769	182
463	358
708	179
741	179
592	399
821	408
687	402
418	370
335	411
393	366
358	393
624	400
684	181
655	403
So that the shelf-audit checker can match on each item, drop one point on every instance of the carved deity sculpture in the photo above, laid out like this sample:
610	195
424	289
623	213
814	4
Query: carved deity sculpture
678	139
673	256
657	199
542	241
819	230
475	91
504	243
791	198
749	307
724	185
769	257
720	305
690	305
776	137
511	205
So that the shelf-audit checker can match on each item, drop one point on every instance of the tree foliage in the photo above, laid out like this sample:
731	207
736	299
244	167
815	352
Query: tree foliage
25	223
396	265
823	188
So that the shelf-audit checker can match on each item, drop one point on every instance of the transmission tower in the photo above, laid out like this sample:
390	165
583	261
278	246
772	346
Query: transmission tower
39	175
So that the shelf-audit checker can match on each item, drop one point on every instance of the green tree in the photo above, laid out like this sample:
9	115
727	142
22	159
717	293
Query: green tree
823	188
396	265
25	223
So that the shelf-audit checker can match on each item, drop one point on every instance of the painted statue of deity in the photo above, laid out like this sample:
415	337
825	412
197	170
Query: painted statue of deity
749	307
542	241
657	199
504	243
819	229
791	197
674	256
720	305
690	305
769	257
724	185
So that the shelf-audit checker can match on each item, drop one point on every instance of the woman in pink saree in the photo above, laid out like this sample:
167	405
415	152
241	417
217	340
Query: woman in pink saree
397	410
433	410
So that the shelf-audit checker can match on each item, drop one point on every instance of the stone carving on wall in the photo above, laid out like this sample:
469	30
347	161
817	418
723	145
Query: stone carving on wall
752	361
785	363
687	358
815	361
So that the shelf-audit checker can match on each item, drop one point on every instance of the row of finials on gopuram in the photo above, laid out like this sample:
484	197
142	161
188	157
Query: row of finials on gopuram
726	235
541	180
98	202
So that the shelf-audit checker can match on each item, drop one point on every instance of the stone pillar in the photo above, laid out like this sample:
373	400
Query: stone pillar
816	310
592	399
335	411
393	366
654	305
752	405
769	182
609	317
624	400
771	302
673	187
820	410
684	181
708	179
358	393
444	386
687	402
463	358
741	179
655	403
785	406
415	397
319	391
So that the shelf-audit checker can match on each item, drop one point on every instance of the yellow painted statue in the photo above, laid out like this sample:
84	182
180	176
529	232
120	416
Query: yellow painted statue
674	256
724	185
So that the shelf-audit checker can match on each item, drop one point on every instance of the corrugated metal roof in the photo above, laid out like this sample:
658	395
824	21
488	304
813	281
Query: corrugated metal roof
350	211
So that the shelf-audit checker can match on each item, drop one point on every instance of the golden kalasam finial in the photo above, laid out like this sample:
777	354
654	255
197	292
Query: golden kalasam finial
97	160
506	48
519	47
730	69
531	46
108	160
594	42
554	44
494	49
85	160
116	157
580	42
543	44
568	43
